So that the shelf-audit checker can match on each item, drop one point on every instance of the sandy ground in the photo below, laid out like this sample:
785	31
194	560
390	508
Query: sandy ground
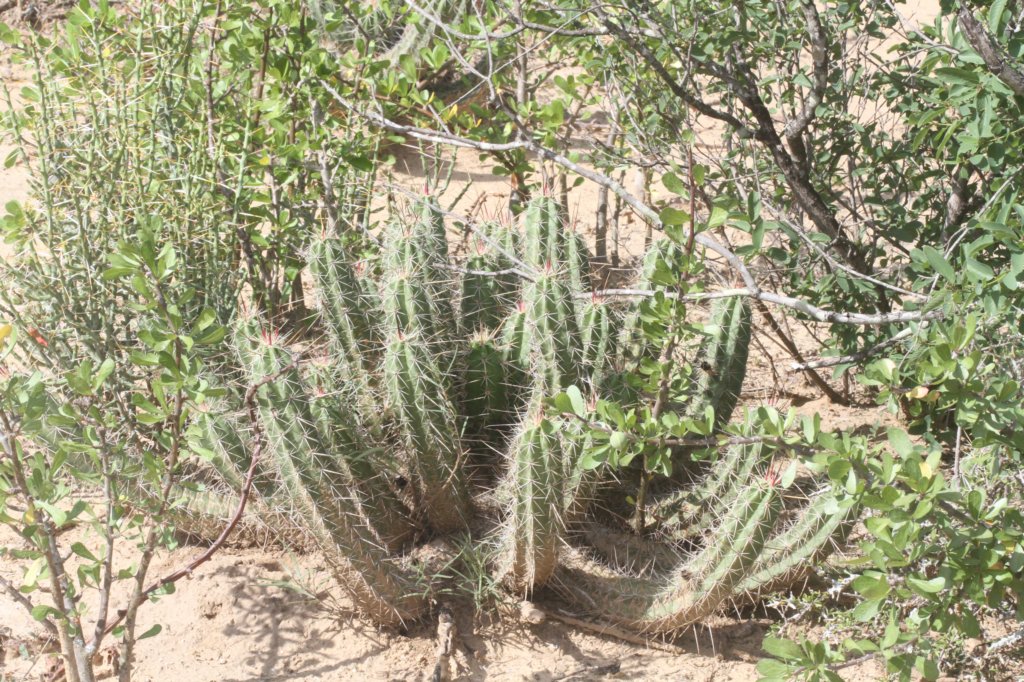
237	619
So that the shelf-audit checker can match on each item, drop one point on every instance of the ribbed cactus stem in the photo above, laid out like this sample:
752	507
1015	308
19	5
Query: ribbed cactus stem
484	300
203	514
533	529
349	310
697	587
722	361
632	345
544	233
600	327
222	435
696	509
793	553
486	393
417	289
318	491
550	333
429	423
580	483
431	242
349	448
577	257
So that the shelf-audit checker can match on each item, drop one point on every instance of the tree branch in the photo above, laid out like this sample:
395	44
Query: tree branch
998	62
257	453
819	54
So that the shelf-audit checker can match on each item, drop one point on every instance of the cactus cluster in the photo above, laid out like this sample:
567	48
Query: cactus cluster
429	419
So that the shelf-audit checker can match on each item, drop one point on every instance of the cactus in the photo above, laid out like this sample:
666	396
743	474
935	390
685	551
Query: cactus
485	297
577	257
347	308
485	399
534	486
428	421
789	556
600	326
319	489
694	589
550	330
370	447
544	234
693	510
722	360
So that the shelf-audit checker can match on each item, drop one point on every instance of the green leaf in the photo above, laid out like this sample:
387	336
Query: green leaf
866	610
83	551
926	587
102	373
42	612
578	404
673	216
995	15
928	668
783	648
618	440
951	76
152	632
939	263
900	441
673	183
718	217
772	670
212	336
360	163
871	587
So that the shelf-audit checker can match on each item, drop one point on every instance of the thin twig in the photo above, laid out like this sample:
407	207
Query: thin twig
257	451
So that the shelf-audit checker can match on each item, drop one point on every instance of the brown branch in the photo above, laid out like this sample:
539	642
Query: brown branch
703	239
819	54
855	357
1000	64
17	596
790	346
257	452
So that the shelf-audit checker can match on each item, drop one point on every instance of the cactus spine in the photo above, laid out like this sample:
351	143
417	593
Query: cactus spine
429	423
347	308
544	237
790	555
694	589
486	395
533	530
599	332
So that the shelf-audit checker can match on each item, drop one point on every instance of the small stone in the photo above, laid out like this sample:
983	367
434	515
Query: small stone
528	613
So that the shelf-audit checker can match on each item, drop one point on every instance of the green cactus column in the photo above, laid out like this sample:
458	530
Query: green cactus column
428	420
318	491
351	313
533	530
721	363
792	554
544	233
697	587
